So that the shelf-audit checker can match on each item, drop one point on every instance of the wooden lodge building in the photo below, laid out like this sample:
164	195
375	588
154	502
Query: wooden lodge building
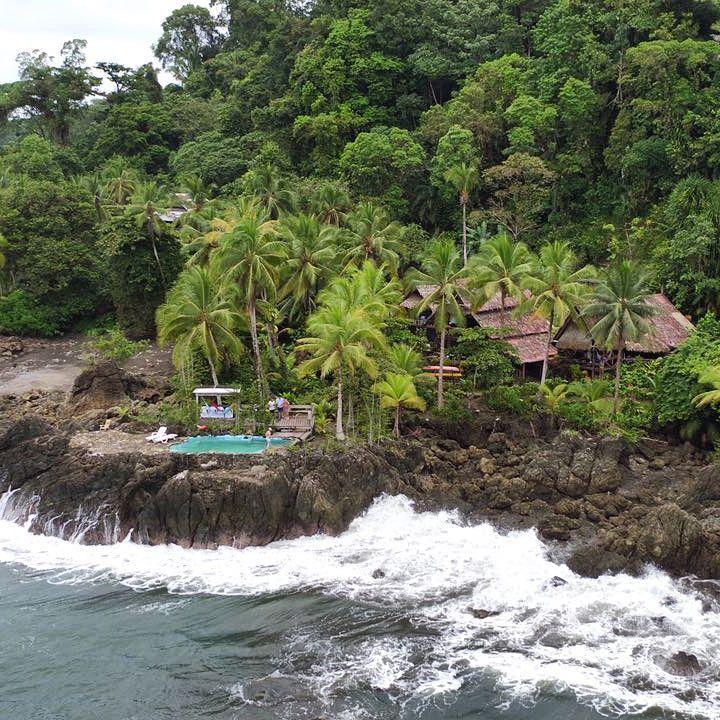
528	333
669	328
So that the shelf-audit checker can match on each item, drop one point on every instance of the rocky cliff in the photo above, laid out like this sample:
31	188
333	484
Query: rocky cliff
609	507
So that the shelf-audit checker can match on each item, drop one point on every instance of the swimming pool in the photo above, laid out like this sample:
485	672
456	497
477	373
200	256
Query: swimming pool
229	444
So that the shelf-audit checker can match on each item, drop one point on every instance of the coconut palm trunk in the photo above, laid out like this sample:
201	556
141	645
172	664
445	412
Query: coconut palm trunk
213	372
252	312
440	396
618	369
396	428
464	209
339	432
551	320
503	309
151	232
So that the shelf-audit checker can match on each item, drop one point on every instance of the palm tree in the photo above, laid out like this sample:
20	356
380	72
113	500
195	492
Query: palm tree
709	376
200	192
330	203
442	269
554	397
378	295
339	341
271	190
372	236
621	310
198	315
464	179
405	360
145	205
121	180
502	266
398	392
311	256
559	289
97	188
251	254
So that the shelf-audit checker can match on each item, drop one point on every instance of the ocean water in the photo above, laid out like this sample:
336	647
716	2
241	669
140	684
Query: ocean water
375	623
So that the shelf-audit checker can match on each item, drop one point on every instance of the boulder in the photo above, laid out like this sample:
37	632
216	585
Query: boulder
670	537
683	664
593	560
98	387
481	614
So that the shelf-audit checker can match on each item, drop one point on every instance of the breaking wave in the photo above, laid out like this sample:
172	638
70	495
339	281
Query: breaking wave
471	602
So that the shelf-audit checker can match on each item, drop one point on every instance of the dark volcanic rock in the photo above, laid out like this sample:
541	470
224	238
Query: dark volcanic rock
684	664
99	386
594	560
617	510
481	614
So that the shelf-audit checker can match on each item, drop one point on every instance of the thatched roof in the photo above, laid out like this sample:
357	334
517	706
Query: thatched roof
526	333
669	328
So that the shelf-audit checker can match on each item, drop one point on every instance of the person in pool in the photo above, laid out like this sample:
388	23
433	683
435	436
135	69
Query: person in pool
268	437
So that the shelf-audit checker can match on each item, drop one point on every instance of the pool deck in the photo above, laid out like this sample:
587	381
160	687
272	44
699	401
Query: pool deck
114	442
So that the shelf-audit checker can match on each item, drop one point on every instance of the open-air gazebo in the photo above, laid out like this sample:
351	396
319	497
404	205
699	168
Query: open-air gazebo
210	412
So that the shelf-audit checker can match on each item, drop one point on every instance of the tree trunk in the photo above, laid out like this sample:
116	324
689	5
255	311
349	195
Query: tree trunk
252	311
465	254
543	377
216	382
440	398
151	232
396	429
618	367
351	411
503	311
339	433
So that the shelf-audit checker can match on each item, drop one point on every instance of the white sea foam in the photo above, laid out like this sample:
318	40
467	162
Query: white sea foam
605	640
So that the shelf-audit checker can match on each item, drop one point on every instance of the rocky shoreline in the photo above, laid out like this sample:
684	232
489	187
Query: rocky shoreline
607	506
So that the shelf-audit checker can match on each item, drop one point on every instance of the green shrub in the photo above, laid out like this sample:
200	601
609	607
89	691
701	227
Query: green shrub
21	315
677	383
521	399
112	343
486	362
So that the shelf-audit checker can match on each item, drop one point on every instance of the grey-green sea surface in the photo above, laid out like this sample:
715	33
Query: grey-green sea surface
375	623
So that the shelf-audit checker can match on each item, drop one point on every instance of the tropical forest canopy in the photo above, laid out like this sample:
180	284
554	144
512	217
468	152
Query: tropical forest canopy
357	131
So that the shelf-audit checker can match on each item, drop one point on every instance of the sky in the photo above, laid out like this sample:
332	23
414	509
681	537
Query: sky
119	31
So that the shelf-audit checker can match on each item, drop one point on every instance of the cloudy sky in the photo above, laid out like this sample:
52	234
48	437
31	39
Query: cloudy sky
119	31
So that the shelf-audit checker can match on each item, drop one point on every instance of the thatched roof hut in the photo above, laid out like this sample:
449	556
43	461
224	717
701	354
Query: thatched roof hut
669	328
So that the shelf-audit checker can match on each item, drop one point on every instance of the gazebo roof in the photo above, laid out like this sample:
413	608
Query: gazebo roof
214	392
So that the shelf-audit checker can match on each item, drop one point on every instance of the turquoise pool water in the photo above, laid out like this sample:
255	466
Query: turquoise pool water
229	444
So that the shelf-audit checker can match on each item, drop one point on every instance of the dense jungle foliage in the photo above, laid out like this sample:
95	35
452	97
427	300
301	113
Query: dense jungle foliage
316	143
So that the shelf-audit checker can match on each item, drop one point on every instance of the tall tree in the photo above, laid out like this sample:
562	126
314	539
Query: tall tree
339	342
464	179
312	252
559	289
199	315
502	266
443	270
251	254
190	36
271	190
51	95
145	206
331	203
372	236
620	312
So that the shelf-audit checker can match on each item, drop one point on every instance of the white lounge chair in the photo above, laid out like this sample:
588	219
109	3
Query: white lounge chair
161	435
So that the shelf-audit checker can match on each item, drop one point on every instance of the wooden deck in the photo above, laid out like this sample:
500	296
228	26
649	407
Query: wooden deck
299	423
